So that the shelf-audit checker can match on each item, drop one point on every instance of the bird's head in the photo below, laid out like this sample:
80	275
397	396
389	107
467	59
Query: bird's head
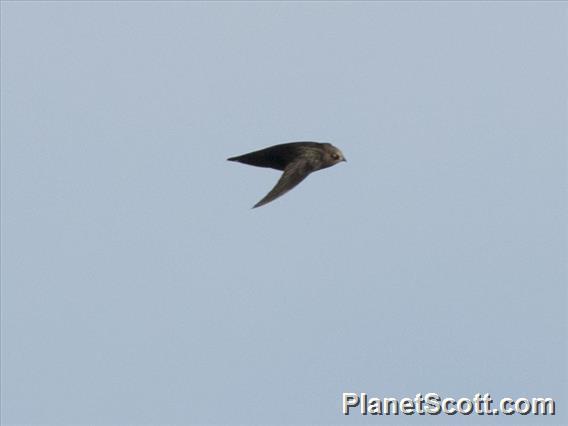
333	155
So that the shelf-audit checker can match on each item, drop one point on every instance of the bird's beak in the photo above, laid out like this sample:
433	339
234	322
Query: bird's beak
344	159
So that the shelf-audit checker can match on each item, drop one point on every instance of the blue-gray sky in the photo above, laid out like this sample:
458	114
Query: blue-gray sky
139	287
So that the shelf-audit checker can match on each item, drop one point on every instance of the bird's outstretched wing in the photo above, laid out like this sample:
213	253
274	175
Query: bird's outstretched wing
293	174
277	156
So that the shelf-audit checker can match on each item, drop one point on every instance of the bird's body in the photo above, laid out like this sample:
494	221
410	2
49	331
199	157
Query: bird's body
296	159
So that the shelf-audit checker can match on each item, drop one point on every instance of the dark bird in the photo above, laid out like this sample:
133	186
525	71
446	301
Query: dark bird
296	159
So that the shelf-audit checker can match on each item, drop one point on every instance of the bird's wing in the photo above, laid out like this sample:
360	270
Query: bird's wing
296	172
276	157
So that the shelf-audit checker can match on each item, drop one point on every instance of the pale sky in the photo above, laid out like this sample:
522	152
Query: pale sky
138	286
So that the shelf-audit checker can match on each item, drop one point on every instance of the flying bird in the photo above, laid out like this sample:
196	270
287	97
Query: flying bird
296	159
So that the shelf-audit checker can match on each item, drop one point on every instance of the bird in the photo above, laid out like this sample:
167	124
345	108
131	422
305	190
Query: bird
296	159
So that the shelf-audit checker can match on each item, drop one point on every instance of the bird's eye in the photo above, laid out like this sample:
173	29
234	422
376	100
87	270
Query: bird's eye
335	156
